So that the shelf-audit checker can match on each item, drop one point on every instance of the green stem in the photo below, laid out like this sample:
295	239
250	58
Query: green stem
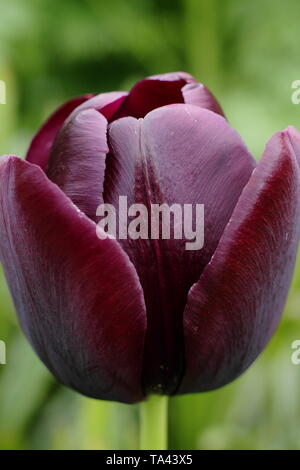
154	423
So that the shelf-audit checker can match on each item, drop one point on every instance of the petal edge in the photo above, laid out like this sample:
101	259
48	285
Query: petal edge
234	308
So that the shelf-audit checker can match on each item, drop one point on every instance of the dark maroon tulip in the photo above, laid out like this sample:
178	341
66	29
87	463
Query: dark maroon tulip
119	319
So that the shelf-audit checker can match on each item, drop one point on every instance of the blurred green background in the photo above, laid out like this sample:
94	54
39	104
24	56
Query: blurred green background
248	54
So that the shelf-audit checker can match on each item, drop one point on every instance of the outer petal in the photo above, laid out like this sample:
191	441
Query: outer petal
173	77
78	298
235	306
178	154
40	147
41	143
160	90
107	103
199	95
77	160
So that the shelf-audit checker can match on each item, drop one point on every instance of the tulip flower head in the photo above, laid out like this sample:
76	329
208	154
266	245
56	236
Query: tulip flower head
180	291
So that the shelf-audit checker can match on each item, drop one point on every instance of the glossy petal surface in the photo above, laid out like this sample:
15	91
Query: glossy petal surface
234	308
78	298
106	103
160	90
178	154
41	143
199	95
77	160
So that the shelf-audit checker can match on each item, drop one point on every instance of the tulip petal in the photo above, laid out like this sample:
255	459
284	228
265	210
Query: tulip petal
78	298
40	147
107	103
41	143
178	154
199	95
77	160
173	77
234	308
160	90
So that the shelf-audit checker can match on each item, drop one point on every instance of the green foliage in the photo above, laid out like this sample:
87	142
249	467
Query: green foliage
247	52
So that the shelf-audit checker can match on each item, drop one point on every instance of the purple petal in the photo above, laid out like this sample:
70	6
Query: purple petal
106	103
173	77
77	160
78	298
160	90
235	306
40	147
41	143
199	95
178	154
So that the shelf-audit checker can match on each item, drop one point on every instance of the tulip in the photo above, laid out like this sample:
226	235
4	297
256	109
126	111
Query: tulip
122	319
